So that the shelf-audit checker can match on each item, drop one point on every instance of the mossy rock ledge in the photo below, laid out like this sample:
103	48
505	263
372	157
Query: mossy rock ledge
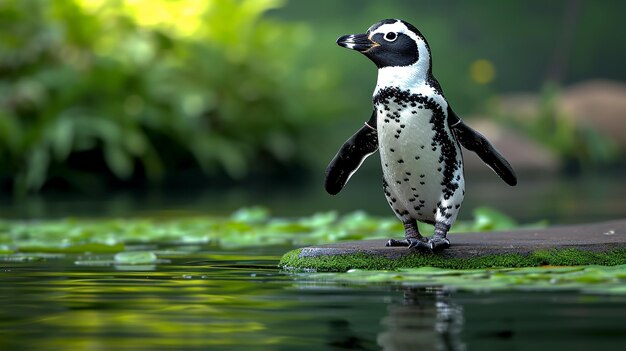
598	243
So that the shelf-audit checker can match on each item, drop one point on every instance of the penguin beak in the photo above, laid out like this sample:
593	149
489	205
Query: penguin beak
358	42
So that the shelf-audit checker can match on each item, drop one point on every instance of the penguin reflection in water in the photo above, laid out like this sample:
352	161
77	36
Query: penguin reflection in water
417	134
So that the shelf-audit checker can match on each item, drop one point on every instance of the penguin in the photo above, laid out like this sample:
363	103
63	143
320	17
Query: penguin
417	134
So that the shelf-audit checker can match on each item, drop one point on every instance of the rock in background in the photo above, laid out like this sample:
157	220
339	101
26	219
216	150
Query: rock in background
597	104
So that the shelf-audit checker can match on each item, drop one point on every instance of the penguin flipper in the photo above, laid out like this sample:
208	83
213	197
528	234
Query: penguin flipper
476	142
350	156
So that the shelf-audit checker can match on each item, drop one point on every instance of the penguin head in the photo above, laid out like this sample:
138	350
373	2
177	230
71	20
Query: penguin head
391	43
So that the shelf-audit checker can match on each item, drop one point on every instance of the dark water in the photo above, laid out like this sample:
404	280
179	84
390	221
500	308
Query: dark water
238	300
558	198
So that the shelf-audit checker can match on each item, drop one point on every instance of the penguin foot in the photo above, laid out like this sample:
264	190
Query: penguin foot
439	244
411	243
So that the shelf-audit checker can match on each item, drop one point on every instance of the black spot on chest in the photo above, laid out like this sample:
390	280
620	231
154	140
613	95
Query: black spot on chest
438	122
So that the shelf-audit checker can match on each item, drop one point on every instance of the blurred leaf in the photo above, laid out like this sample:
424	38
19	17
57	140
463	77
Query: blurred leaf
62	138
486	219
251	215
118	161
37	166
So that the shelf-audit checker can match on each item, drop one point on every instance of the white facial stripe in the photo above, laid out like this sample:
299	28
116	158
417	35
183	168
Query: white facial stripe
397	27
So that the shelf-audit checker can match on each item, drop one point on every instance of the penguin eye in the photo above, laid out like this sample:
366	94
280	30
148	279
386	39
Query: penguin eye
391	36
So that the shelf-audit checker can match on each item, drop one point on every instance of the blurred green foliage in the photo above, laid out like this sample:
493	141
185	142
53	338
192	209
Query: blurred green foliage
102	87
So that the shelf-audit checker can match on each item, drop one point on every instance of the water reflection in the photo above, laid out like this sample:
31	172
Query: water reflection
342	336
239	300
427	319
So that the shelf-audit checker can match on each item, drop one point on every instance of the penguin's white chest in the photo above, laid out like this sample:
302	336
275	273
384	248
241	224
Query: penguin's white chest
421	161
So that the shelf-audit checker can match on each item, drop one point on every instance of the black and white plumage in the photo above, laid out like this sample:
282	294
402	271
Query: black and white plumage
417	133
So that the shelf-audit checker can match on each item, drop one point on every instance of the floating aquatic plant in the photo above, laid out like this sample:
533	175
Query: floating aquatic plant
244	228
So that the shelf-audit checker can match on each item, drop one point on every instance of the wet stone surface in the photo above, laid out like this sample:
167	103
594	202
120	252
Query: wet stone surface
597	237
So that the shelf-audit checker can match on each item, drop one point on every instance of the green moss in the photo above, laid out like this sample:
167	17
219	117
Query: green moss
557	257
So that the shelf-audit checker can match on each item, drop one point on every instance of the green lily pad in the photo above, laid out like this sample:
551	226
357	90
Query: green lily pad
137	257
590	279
246	227
130	258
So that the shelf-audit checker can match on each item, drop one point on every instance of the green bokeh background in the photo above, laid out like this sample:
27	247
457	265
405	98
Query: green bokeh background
98	94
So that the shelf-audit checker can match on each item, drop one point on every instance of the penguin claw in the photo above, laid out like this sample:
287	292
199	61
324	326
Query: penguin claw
420	245
411	243
439	244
